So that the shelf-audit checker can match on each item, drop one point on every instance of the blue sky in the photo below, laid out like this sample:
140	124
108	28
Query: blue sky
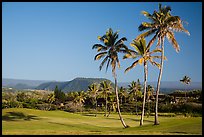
53	41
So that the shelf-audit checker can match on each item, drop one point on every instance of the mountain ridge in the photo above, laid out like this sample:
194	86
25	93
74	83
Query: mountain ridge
78	82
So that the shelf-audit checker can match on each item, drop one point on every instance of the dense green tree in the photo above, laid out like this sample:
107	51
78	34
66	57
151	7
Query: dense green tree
59	95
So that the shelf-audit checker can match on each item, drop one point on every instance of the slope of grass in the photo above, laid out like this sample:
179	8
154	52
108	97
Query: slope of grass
30	121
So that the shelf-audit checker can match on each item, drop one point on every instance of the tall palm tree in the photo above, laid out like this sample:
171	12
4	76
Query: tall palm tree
93	92
105	88
162	24
110	49
186	80
135	90
142	52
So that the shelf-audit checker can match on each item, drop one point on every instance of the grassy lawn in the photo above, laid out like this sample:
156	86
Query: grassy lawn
38	122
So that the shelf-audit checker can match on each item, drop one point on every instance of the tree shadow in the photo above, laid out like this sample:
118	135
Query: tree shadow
13	116
179	132
139	120
90	115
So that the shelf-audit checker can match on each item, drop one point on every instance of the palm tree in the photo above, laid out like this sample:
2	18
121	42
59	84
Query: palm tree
150	91
93	92
142	51
80	98
110	49
135	90
122	94
186	80
51	99
112	105
162	24
105	89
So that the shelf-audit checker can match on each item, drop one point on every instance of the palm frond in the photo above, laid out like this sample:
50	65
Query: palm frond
152	41
99	47
149	16
155	64
102	63
172	40
107	64
146	34
178	27
155	51
120	41
100	55
132	66
129	55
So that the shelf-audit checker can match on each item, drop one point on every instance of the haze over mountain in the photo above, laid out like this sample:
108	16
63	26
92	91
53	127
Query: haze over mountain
79	84
170	85
22	83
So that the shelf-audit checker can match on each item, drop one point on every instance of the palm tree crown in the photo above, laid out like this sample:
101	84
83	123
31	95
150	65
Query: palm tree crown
162	24
141	50
186	80
110	49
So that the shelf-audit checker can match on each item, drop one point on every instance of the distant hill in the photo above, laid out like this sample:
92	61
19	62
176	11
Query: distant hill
21	83
77	84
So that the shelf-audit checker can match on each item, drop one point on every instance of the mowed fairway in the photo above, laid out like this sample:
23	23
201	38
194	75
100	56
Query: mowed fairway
38	122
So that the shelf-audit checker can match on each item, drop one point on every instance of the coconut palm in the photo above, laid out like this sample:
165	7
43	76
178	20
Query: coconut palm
186	80
51	99
109	51
142	52
135	89
93	92
80	98
162	25
122	94
105	88
112	105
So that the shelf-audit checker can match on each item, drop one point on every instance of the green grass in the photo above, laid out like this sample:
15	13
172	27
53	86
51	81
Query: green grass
38	122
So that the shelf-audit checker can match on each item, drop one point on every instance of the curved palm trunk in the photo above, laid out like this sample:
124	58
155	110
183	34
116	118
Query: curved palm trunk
145	87
156	122
117	102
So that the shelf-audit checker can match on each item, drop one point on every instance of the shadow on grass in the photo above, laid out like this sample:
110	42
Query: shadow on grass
179	132
90	115
139	120
13	116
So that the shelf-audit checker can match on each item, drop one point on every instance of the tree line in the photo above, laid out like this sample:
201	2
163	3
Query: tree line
100	98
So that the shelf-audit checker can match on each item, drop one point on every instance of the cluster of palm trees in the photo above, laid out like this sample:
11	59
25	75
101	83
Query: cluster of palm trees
162	25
